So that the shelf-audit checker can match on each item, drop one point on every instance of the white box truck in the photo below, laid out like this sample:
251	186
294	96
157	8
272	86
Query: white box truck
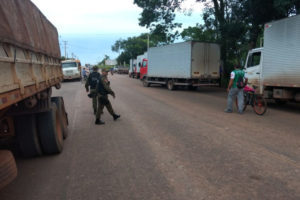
275	69
132	67
183	64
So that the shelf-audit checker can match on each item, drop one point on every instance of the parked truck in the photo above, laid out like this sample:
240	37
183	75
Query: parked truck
30	119
190	64
71	69
138	66
274	70
132	68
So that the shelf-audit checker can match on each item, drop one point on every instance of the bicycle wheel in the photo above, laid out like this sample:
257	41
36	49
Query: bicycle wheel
259	105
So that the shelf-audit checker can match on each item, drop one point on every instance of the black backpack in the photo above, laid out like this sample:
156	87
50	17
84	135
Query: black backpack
240	82
94	79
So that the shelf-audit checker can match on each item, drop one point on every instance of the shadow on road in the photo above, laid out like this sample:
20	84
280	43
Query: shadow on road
289	107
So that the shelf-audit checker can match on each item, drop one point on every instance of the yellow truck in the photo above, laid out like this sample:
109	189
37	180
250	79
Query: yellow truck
30	119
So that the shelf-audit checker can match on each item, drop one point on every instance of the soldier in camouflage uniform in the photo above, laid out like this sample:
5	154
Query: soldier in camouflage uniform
92	82
103	89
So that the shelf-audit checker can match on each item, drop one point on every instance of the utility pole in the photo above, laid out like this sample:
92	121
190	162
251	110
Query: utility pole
65	43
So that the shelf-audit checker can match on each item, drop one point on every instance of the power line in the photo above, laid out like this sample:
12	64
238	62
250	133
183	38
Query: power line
65	43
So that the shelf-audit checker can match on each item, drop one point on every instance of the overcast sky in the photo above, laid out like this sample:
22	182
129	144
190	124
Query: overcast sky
92	26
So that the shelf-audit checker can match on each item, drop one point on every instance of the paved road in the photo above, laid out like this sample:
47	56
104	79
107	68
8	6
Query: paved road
175	145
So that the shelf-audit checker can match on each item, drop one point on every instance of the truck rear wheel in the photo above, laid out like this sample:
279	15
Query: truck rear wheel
63	117
146	83
170	85
27	135
8	168
50	131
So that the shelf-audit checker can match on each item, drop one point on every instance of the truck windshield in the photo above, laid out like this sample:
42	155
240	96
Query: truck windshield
144	64
254	59
69	65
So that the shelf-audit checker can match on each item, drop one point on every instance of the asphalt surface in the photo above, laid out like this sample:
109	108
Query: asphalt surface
176	145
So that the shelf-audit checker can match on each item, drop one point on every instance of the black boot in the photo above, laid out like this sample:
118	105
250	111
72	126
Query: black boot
99	122
116	117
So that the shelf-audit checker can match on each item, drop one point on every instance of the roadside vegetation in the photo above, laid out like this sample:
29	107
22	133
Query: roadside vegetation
237	25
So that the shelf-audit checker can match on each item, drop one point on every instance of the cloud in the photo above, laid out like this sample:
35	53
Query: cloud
91	16
92	26
105	16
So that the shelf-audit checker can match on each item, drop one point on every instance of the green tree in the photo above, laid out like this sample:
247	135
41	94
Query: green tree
133	46
106	57
158	16
199	33
236	25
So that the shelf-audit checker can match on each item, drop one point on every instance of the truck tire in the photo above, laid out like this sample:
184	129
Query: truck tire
8	168
63	116
50	131
170	85
145	83
27	135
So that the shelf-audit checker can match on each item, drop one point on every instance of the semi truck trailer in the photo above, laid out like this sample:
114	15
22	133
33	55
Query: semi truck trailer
32	122
274	69
189	64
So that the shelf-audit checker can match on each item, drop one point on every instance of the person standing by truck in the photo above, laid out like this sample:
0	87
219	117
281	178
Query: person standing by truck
103	89
91	85
84	74
237	82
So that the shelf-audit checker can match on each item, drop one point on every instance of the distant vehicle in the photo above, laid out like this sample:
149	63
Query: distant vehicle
122	70
71	69
30	118
275	69
190	64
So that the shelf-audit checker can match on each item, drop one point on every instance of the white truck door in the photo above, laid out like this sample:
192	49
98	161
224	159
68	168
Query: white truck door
253	68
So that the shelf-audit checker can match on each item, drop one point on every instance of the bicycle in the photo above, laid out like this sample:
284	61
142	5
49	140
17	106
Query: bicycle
257	101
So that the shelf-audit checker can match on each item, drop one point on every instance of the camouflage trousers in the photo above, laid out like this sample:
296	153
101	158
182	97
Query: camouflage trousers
101	107
95	100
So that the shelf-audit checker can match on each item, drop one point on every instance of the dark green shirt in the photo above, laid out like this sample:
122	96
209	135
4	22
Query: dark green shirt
235	75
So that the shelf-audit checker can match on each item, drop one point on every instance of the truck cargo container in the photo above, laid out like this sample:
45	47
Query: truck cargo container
189	63
30	66
275	69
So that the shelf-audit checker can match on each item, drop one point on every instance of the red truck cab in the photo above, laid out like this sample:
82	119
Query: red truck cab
143	68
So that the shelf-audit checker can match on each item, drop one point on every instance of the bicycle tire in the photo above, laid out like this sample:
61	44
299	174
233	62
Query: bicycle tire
259	105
